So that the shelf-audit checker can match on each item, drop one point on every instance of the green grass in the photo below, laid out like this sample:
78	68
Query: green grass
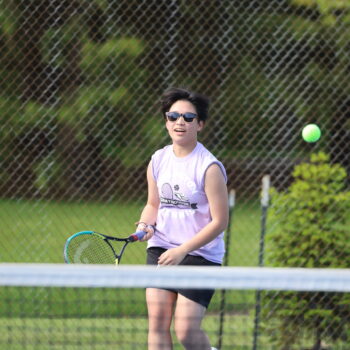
71	302
35	231
100	317
42	318
108	333
125	333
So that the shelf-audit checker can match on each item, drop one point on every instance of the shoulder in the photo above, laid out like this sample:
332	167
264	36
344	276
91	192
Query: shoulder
209	161
202	150
205	154
158	158
216	170
161	152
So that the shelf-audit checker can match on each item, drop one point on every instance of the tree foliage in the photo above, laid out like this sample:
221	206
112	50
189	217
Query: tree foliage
77	65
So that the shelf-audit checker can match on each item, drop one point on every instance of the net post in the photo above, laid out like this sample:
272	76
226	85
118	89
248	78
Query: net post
264	201
231	204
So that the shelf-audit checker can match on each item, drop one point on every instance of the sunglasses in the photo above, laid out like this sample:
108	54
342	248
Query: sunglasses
174	116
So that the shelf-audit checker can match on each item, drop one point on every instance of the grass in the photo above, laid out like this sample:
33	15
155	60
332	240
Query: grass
107	333
125	333
42	318
35	231
71	318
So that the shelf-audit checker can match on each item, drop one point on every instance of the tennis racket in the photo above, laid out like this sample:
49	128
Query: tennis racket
90	247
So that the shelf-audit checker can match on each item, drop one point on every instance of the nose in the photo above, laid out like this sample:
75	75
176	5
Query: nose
180	120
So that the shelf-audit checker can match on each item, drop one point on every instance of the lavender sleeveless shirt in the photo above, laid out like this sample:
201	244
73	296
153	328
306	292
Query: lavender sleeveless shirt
184	208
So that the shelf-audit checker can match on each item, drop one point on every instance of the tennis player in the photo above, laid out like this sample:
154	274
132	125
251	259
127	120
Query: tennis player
188	206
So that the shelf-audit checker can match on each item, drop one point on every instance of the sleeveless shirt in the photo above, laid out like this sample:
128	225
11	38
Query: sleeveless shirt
184	208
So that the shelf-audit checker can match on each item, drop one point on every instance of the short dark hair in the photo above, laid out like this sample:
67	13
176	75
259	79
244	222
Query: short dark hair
200	102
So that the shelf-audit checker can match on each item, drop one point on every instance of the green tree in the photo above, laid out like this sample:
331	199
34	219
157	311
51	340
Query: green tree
70	87
310	230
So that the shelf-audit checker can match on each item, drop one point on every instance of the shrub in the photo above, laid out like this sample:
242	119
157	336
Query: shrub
311	230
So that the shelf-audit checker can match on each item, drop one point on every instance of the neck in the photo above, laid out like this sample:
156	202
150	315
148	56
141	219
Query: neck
183	151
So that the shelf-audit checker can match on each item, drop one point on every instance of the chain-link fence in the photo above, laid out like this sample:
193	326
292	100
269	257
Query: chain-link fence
80	88
80	83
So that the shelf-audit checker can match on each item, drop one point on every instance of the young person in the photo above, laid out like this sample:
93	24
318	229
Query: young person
185	216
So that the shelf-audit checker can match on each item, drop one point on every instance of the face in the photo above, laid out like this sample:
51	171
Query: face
180	131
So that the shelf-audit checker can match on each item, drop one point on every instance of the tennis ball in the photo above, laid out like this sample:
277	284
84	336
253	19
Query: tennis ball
311	133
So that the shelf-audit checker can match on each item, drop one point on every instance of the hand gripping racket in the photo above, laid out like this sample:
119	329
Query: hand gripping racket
90	247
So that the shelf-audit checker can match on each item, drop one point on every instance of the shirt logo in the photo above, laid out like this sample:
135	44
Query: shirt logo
168	198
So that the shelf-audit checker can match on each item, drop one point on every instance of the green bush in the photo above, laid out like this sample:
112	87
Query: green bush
310	230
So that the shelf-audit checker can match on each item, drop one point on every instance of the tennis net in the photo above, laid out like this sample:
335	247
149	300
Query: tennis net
57	306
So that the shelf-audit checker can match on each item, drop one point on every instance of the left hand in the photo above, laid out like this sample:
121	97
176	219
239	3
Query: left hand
172	256
149	229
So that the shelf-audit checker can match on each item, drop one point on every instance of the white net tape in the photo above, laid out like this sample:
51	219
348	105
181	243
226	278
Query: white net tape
242	278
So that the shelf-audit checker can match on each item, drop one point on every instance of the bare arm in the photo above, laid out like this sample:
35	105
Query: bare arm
216	191
149	212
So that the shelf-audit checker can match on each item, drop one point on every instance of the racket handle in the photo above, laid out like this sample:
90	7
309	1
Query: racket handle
136	236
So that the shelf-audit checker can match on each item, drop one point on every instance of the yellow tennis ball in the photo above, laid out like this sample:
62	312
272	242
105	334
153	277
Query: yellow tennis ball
311	133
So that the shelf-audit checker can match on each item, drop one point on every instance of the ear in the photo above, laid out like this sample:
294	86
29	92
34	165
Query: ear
200	125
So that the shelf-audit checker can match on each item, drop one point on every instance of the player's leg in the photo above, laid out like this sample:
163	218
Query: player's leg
160	305
188	318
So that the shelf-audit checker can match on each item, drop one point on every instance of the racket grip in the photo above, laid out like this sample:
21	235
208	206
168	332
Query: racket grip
137	236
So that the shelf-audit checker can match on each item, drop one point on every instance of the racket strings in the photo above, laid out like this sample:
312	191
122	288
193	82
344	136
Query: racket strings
90	249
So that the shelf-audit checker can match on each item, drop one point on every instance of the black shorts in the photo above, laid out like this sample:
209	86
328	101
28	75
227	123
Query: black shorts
200	296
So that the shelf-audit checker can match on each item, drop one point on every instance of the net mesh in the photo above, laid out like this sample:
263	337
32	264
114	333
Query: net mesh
104	307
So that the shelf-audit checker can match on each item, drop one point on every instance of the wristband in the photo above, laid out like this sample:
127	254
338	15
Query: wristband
145	227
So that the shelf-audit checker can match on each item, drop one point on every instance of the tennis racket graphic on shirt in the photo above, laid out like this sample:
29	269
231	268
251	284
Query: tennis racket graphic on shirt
168	197
90	247
167	191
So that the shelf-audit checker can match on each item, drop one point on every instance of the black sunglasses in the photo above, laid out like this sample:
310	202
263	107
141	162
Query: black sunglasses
173	116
